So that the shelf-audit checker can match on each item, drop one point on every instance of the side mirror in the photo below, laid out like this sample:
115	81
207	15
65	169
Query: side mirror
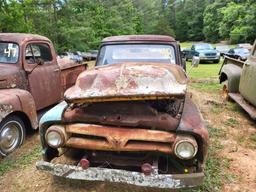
195	61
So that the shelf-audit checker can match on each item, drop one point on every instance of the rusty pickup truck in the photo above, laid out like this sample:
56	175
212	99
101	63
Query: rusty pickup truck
238	78
128	120
31	79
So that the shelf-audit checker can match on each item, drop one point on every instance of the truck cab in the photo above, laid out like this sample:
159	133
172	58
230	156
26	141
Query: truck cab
238	78
128	120
31	79
204	51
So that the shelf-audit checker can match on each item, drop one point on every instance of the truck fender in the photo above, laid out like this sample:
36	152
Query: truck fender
232	74
18	101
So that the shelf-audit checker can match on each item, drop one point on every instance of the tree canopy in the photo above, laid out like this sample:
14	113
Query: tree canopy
80	25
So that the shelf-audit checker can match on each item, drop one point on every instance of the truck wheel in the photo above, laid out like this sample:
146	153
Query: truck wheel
12	134
225	90
216	61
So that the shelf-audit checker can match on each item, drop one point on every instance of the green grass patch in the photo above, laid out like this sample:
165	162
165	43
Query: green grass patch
253	138
9	163
208	70
231	122
210	87
215	174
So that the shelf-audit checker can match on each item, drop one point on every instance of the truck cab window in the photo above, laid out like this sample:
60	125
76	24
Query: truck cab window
9	53
37	52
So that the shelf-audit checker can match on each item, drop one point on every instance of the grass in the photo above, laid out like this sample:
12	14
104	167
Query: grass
210	87
208	70
10	163
215	165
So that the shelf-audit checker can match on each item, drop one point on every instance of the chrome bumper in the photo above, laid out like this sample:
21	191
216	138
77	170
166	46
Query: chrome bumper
121	176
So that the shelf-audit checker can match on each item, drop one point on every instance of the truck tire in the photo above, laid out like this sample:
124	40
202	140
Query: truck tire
12	134
225	90
216	61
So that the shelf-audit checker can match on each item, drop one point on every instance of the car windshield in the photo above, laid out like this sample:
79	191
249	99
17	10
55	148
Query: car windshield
9	52
242	50
112	54
203	47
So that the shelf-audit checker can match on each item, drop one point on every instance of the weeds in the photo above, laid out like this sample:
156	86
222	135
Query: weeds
231	122
21	162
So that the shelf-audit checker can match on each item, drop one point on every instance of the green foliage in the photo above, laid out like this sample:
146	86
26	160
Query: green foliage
80	25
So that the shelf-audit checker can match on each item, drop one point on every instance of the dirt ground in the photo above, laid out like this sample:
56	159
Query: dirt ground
237	148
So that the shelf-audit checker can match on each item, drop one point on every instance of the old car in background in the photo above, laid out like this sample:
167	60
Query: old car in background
238	53
31	79
244	45
204	51
128	120
223	49
239	79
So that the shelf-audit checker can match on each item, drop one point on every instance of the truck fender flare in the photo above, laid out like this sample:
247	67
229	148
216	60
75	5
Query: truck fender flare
232	73
18	101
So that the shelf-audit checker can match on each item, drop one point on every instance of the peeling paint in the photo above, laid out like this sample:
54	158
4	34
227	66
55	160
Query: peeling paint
120	176
5	110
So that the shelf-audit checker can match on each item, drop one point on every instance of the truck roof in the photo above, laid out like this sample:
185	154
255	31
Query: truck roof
122	38
20	38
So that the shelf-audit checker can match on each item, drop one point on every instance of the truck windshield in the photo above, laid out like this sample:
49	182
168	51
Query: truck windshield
112	54
203	47
9	52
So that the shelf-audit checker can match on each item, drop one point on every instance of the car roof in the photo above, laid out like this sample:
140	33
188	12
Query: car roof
122	38
20	38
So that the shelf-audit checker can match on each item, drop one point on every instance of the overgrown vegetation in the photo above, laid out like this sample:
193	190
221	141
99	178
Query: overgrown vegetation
215	165
20	162
80	25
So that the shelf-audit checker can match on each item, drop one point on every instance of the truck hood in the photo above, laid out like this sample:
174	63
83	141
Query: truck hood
8	76
207	51
128	81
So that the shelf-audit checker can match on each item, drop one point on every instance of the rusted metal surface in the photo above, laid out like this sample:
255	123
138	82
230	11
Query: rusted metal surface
122	176
192	123
118	139
128	80
156	114
69	75
17	100
157	38
46	82
250	109
12	76
21	38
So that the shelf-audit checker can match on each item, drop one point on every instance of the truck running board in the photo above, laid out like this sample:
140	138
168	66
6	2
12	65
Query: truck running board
238	98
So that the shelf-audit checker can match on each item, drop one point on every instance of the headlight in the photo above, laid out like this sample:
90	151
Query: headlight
218	54
55	136
186	148
201	54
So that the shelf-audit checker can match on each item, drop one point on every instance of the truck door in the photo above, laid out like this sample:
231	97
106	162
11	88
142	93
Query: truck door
43	74
247	86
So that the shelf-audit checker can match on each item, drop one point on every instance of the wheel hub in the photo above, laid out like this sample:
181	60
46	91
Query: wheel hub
9	137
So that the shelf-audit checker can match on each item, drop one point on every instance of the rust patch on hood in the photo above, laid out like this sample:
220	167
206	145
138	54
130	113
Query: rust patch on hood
128	80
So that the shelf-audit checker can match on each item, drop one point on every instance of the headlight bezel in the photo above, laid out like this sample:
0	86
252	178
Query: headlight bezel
189	140
57	130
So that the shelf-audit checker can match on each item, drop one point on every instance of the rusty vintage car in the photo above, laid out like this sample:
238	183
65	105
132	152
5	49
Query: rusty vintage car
238	78
128	120
31	79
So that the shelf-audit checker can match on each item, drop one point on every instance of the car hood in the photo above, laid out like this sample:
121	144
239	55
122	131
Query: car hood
128	81
207	51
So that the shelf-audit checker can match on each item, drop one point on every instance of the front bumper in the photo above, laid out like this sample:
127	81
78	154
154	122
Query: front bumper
204	58
174	181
